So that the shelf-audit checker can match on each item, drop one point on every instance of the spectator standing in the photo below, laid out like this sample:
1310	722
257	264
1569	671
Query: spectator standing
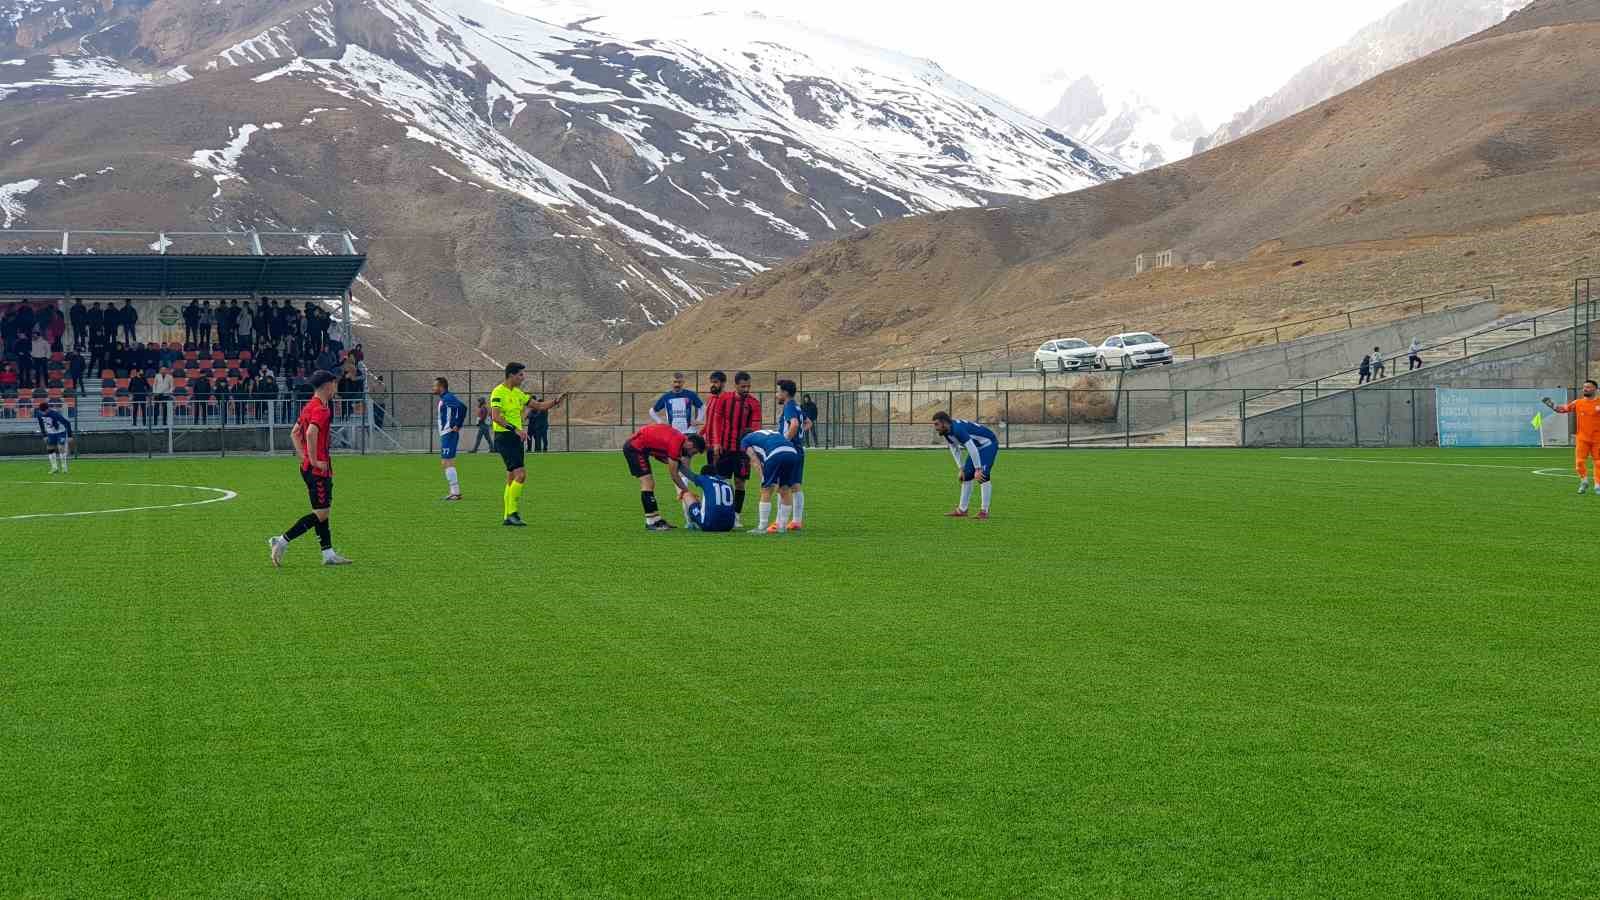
809	408
161	389
129	317
1416	356
139	388
207	319
484	434
246	337
56	329
80	324
191	324
75	372
266	391
1377	363
39	349
200	405
538	427
244	400
377	400
1366	370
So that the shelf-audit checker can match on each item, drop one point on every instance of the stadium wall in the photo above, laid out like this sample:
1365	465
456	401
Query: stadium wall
1400	411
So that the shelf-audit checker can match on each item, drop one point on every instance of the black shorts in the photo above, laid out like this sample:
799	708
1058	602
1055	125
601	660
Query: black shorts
733	464
509	446
319	488
638	460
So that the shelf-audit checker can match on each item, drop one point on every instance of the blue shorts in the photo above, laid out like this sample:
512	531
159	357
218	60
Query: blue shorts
778	471
55	440
986	456
721	518
448	444
799	466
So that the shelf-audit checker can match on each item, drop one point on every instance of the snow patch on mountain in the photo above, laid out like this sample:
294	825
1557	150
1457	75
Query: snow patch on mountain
1126	124
10	203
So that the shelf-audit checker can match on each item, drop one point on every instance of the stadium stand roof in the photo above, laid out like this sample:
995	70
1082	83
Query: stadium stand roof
177	275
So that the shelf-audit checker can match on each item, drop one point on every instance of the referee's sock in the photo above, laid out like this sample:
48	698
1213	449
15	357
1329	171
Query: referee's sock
652	513
306	523
513	498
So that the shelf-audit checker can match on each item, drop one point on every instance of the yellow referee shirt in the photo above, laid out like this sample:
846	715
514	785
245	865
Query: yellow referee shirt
511	402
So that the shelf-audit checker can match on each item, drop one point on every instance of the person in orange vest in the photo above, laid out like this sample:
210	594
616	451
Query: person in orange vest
1587	411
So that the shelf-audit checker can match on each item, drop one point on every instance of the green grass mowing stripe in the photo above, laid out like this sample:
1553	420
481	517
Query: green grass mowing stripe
1152	672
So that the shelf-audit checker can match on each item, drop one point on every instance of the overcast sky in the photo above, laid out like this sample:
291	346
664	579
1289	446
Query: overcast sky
1212	57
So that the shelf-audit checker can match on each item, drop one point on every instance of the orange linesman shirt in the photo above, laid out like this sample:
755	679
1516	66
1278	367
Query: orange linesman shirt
1587	412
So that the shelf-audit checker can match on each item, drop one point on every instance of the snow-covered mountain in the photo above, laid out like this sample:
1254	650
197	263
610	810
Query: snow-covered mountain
1125	124
1411	31
615	170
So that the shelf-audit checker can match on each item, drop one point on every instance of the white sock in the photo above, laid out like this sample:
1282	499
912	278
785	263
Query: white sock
52	458
988	491
799	506
63	458
966	496
783	516
761	517
450	476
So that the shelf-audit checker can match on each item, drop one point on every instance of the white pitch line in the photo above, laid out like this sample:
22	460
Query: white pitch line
1406	462
224	495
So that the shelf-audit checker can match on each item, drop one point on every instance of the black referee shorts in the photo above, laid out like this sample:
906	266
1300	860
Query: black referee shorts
509	446
319	488
733	464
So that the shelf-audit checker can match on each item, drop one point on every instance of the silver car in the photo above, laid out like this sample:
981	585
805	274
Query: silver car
1064	355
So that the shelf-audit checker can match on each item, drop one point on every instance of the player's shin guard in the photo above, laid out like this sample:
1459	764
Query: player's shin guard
987	491
306	523
451	479
799	506
966	496
784	512
652	513
763	509
324	534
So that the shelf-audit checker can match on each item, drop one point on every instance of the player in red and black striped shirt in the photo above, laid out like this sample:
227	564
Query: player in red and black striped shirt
729	417
311	436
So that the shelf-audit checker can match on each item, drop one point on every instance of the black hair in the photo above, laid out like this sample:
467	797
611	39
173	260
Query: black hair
698	442
942	416
742	376
442	382
514	368
1593	382
787	386
708	470
321	377
719	375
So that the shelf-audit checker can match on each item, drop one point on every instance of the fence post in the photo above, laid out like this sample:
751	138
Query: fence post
1277	338
1007	407
1355	419
1069	418
1186	418
1127	420
1302	393
567	407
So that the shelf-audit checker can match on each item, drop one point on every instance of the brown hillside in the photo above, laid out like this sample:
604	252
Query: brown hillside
1475	164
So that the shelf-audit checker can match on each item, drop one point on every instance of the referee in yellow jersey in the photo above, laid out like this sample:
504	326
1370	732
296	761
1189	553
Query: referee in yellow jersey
506	405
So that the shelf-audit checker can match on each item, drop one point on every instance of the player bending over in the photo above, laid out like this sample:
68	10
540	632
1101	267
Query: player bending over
713	510
981	448
57	433
1586	410
672	447
310	437
775	455
452	415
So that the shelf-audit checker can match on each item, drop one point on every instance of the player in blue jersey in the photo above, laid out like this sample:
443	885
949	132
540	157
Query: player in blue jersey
680	407
57	433
451	415
980	447
713	509
776	456
793	424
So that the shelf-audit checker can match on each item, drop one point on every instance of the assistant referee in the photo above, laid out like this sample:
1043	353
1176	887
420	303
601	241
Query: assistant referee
507	403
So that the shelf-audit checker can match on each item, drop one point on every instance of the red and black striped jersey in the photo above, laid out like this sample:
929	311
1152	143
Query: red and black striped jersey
729	417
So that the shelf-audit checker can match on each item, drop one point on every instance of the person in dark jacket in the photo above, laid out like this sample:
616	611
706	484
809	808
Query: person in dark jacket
484	433
200	409
75	371
191	324
538	427
129	317
79	317
809	408
139	389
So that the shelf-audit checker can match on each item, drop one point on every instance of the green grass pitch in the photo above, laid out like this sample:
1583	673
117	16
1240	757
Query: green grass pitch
1152	674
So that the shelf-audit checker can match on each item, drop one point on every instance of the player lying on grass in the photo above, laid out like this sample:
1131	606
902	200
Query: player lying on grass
981	448
672	447
775	455
57	433
712	510
311	436
1586	410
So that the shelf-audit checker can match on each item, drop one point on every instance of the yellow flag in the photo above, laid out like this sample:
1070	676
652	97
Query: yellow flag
1538	421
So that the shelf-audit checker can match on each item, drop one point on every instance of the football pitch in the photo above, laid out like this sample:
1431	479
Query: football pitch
1231	673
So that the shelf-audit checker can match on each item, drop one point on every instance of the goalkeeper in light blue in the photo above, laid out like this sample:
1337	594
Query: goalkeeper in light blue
975	449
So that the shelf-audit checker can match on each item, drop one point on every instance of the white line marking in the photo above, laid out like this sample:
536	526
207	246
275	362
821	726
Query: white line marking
1405	462
1556	473
223	495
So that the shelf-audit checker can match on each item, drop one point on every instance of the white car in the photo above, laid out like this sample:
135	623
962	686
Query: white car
1065	355
1133	350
